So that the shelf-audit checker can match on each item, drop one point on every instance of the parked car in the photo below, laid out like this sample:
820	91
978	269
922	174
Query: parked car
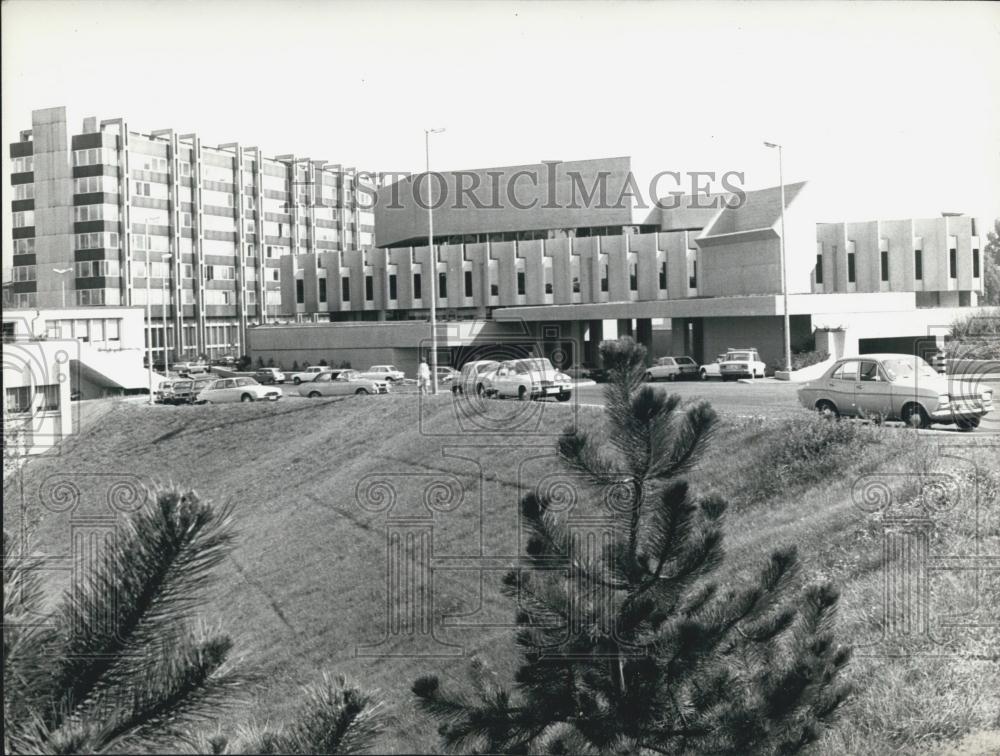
224	390
189	368
383	373
672	368
742	363
896	387
309	374
533	378
226	360
186	390
470	379
269	375
446	375
341	383
163	392
712	369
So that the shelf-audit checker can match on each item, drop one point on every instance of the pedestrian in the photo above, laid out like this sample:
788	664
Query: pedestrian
423	377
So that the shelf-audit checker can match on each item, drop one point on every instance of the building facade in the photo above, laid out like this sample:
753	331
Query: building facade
707	268
37	412
196	233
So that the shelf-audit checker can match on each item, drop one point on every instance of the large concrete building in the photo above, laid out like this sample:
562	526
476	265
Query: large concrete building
562	246
102	216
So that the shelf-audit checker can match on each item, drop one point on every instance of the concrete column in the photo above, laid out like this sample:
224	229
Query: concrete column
644	335
596	337
625	327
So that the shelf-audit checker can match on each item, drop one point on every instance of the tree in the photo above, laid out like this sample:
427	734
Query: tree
991	266
634	648
118	667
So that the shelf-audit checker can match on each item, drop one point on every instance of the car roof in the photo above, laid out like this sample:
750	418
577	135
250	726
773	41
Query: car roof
882	356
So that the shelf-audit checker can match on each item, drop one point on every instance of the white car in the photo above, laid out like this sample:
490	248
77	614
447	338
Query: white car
310	374
529	379
742	363
383	373
672	368
712	369
236	390
341	383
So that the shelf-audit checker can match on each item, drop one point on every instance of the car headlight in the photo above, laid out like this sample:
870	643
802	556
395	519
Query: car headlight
944	400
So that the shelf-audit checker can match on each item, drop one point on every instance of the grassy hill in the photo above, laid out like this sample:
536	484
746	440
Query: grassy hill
306	586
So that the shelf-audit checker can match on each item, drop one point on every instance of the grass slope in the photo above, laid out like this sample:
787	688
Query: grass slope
306	585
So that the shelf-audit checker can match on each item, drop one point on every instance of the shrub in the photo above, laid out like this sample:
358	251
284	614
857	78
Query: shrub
976	336
322	363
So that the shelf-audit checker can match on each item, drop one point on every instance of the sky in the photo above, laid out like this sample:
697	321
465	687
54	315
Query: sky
888	110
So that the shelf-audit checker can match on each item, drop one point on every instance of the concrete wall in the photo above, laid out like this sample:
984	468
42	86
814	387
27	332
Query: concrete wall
764	333
548	196
53	207
33	364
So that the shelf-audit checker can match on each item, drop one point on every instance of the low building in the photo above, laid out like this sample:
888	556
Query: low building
37	411
104	346
706	269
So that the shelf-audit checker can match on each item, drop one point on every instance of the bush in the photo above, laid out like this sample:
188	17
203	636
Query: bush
322	363
805	359
803	451
345	365
976	336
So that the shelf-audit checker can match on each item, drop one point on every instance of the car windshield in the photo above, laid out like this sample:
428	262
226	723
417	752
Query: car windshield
904	369
738	356
246	382
347	375
183	385
685	361
666	360
484	366
537	364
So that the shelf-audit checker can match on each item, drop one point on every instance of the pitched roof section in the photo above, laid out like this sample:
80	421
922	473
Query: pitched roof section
759	212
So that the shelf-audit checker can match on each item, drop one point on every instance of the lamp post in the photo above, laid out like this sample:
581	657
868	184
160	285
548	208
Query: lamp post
784	266
163	280
63	272
433	256
149	322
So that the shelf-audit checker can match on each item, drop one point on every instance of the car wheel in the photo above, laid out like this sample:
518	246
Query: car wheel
480	390
827	409
314	395
648	378
564	396
361	391
671	377
246	398
296	380
703	374
968	423
456	390
522	394
915	415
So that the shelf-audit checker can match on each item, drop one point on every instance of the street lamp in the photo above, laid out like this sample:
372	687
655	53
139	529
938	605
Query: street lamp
163	280
62	272
149	322
434	273
784	266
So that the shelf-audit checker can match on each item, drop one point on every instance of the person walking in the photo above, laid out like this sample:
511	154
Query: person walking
424	377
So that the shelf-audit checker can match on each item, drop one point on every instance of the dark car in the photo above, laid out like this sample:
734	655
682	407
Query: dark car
185	391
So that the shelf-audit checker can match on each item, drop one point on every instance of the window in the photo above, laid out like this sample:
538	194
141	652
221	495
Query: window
91	297
322	290
113	329
885	265
24	246
847	372
369	288
92	156
442	285
97	268
23	164
975	263
23	273
25	300
47	398
185	168
417	293
392	286
693	278
345	289
87	185
850	267
300	291
275	274
141	189
24	218
953	263
468	283
819	269
24	191
520	283
869	371
918	264
633	277
186	220
19	399
663	278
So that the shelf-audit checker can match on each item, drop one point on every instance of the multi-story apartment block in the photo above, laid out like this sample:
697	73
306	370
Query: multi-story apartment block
196	233
540	245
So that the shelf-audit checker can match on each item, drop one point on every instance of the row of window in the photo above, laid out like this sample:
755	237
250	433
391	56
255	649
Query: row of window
21	399
23	218
94	297
918	265
95	156
23	164
93	184
96	240
98	268
22	273
24	191
84	330
24	246
83	213
25	300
